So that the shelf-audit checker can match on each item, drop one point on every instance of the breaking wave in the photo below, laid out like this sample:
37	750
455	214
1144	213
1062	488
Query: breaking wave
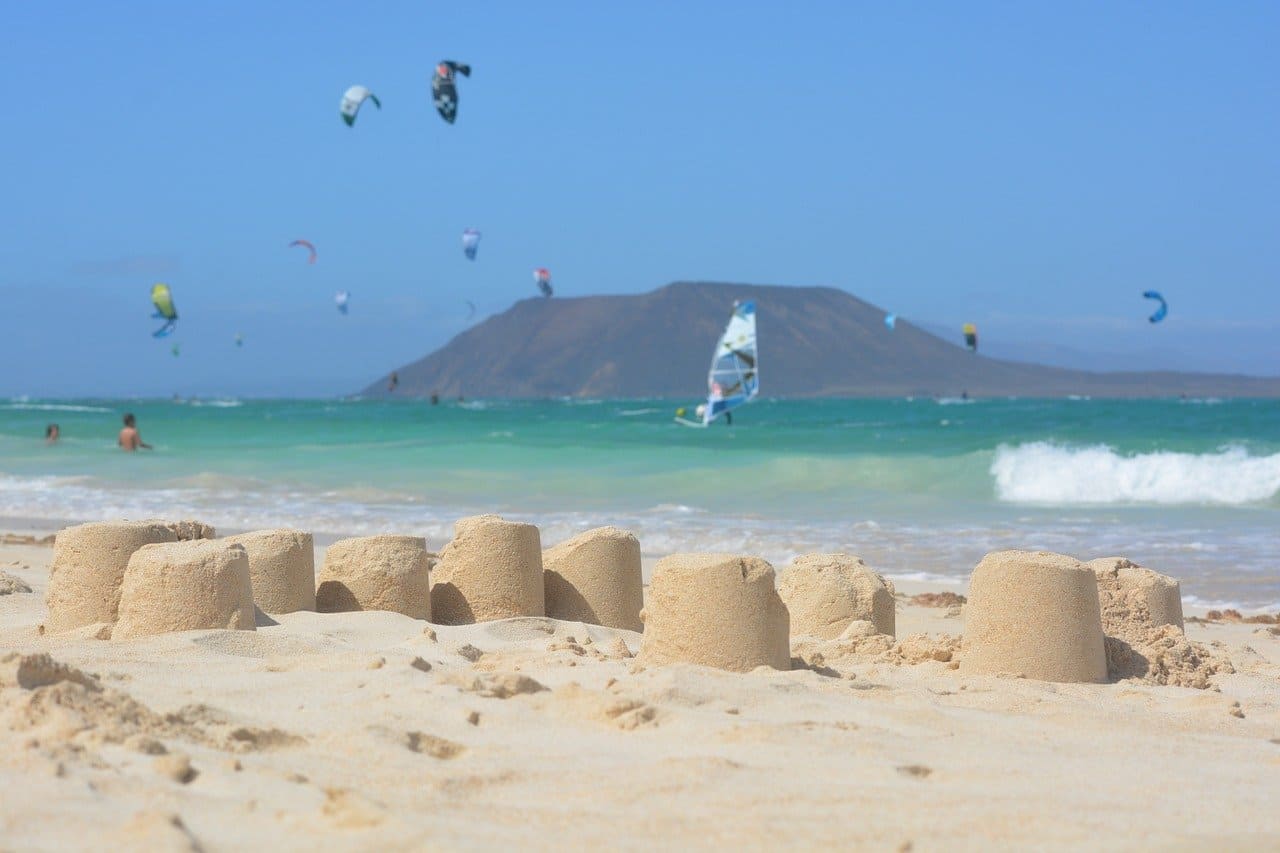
1045	473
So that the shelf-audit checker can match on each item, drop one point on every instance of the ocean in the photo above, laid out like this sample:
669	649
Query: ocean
920	488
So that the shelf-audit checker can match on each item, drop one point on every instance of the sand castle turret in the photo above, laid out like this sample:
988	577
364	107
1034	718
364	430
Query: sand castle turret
282	564
1135	598
491	570
595	578
88	567
824	593
1035	614
717	610
185	586
376	573
188	529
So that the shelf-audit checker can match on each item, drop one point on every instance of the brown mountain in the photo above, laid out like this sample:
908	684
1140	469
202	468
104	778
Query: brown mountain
814	341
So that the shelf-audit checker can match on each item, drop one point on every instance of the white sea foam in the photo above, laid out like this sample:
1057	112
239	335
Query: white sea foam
1192	603
1220	563
52	407
1046	473
217	404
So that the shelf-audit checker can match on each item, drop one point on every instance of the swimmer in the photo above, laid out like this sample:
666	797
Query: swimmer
129	438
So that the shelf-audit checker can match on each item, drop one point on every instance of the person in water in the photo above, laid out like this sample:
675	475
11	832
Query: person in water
129	438
395	380
51	433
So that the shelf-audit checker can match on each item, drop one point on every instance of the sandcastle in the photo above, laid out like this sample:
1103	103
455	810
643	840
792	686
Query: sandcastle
282	564
718	610
1034	614
88	567
376	573
595	578
491	570
824	593
185	586
1133	597
1145	635
189	529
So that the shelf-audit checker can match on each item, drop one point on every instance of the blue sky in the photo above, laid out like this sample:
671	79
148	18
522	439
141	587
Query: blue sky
1031	167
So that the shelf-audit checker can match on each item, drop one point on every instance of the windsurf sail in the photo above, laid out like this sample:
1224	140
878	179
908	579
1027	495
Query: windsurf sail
734	378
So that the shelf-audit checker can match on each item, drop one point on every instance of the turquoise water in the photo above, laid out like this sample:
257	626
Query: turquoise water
920	488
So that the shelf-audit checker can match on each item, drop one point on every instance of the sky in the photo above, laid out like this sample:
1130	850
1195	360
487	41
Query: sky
1030	167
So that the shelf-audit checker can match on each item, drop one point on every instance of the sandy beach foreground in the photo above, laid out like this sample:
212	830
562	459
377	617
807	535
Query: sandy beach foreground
374	730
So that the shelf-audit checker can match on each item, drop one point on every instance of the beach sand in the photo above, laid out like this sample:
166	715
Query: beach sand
364	730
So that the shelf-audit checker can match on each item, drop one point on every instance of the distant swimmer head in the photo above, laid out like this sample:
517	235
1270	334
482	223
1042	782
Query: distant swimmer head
51	433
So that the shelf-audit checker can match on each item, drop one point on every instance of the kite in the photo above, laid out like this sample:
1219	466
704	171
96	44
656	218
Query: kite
542	278
890	320
470	242
309	246
340	299
443	89
970	336
1161	311
239	339
351	101
471	310
163	300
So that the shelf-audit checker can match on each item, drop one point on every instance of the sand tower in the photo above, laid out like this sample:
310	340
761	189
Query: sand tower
1035	614
188	529
376	573
185	586
88	567
595	578
825	592
282	564
491	570
718	610
1135	598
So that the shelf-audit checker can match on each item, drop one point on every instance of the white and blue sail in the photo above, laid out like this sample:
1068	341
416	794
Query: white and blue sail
734	378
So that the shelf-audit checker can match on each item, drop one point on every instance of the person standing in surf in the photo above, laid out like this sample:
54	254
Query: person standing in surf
130	439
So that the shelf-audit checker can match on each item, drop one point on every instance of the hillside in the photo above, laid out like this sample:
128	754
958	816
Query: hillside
814	341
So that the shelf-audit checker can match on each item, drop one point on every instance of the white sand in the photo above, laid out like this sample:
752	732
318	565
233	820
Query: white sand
371	730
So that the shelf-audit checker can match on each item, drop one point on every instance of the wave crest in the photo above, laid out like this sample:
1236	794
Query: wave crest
1042	472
